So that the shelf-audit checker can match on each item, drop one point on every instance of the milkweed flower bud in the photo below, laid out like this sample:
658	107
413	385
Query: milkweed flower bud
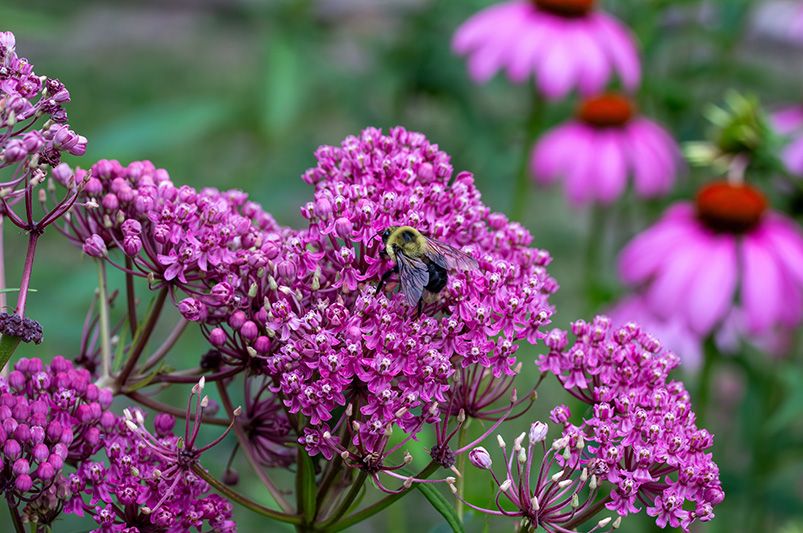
538	431
95	246
480	458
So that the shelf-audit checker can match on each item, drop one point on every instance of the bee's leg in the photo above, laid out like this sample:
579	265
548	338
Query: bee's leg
385	277
420	307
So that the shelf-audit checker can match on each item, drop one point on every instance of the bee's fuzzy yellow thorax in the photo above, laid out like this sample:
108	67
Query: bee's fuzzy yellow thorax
407	238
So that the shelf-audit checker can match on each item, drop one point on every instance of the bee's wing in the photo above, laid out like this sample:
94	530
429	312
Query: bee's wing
448	257
413	277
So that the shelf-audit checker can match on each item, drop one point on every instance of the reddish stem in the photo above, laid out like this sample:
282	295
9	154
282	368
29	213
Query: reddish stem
33	236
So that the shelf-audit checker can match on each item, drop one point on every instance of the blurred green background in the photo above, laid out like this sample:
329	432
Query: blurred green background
239	93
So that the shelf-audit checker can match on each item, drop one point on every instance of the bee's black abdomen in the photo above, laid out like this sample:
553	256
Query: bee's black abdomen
437	278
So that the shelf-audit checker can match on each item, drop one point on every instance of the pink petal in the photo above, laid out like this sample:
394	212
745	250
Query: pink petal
668	291
787	245
711	292
762	285
594	68
552	154
523	57
655	158
793	156
483	26
621	49
580	174
611	170
557	70
645	254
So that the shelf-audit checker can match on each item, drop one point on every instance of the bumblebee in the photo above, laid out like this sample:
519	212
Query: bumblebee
423	264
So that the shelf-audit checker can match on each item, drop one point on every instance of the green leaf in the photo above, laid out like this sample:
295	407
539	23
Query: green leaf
285	90
306	486
159	127
144	382
117	361
442	505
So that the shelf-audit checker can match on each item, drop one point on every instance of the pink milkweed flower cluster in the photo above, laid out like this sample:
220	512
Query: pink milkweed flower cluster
642	437
469	331
50	415
299	307
607	143
694	262
24	99
563	44
789	122
147	480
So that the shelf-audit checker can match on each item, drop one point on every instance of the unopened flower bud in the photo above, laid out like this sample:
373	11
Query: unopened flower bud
480	458
217	337
94	246
538	431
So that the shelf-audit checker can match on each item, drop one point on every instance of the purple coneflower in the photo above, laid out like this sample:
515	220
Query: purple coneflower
694	262
564	44
606	143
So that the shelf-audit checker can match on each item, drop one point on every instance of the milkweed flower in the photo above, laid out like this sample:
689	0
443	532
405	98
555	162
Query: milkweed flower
125	488
147	479
642	437
604	145
694	262
789	122
50	415
563	44
673	331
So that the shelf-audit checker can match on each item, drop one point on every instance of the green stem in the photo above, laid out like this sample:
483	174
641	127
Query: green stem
15	517
141	340
587	514
521	187
382	504
245	446
710	355
105	331
243	500
344	506
8	345
461	467
593	257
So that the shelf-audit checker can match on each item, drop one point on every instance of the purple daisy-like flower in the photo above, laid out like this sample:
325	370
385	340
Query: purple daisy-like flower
692	263
563	44
607	143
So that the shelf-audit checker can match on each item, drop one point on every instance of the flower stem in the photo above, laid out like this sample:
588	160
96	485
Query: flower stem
593	258
462	435
245	445
522	185
131	297
15	517
243	500
141	339
710	354
27	268
382	504
587	514
3	300
348	500
105	332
